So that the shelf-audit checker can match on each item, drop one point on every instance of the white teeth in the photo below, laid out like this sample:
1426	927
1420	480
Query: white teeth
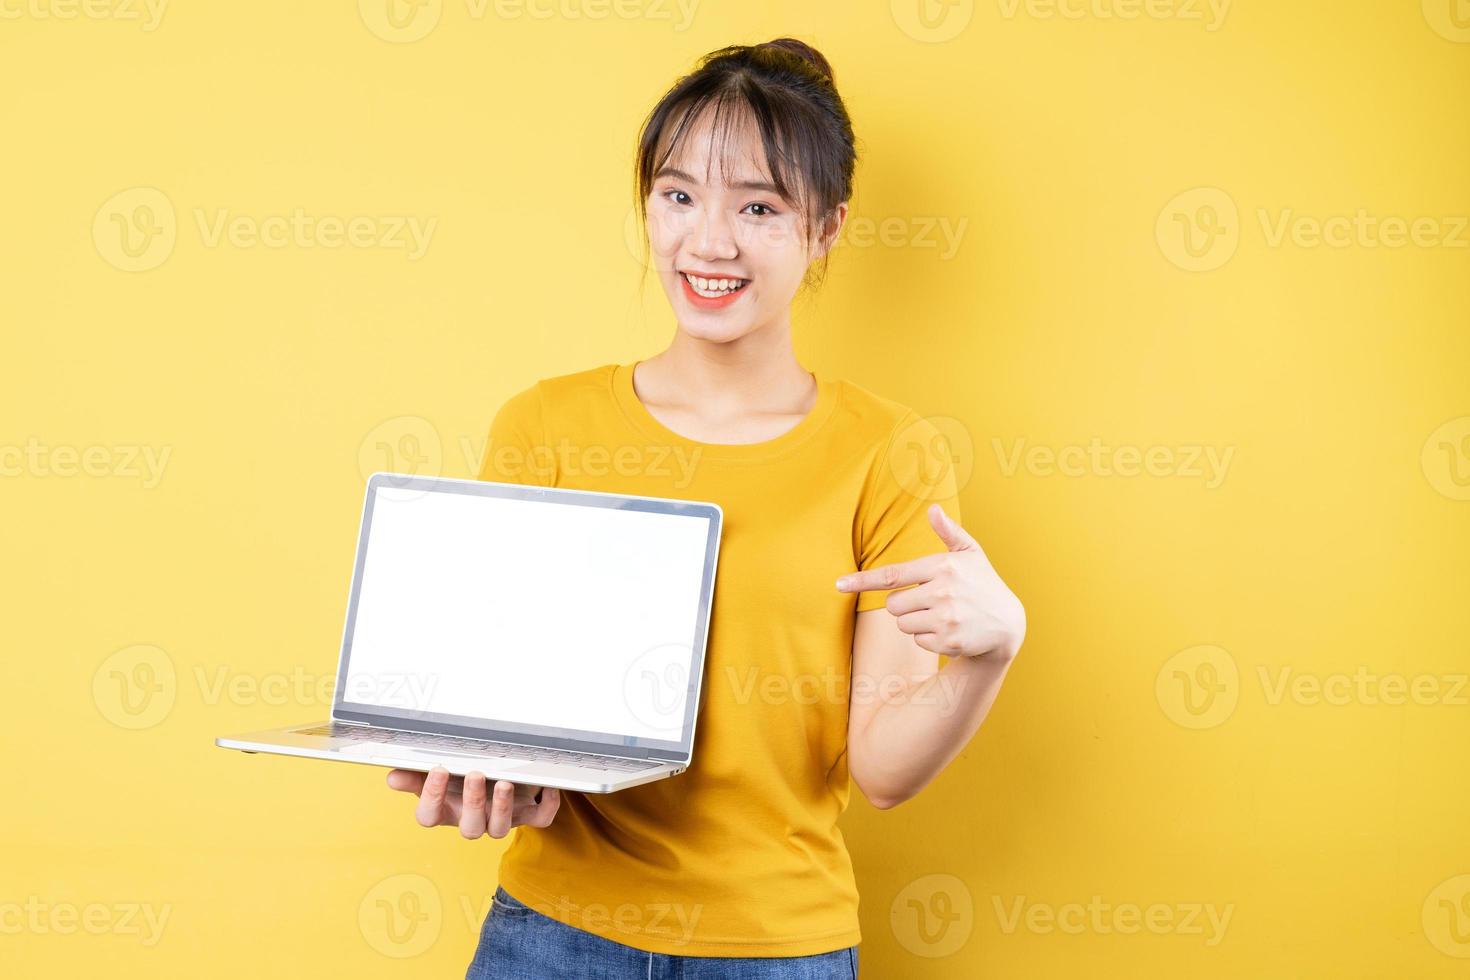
714	288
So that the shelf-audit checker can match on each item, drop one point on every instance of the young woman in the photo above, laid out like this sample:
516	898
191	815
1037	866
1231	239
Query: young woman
737	868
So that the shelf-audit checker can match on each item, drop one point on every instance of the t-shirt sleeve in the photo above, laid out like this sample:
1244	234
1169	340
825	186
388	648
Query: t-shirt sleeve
517	450
914	470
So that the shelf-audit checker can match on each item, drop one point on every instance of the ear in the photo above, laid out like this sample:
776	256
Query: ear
831	228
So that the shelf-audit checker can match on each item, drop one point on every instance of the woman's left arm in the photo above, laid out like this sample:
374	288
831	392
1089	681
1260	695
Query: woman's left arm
908	716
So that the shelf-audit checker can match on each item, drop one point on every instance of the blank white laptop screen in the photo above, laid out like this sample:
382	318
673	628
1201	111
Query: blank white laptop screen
530	612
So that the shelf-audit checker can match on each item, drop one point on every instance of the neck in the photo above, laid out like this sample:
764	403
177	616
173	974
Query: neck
757	371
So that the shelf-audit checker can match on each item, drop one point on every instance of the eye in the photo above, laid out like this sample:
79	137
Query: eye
666	195
768	208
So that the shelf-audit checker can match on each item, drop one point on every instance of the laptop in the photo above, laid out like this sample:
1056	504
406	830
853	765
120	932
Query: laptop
546	636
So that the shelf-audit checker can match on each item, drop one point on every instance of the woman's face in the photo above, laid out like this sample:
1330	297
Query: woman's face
731	229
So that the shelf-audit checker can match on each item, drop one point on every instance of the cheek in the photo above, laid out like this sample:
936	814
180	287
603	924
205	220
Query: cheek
665	231
774	254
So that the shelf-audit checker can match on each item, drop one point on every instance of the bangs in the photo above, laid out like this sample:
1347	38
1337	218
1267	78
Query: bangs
732	116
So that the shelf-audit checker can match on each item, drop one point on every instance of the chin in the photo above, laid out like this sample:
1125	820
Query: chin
700	327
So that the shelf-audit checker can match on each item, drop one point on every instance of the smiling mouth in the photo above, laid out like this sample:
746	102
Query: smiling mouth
714	287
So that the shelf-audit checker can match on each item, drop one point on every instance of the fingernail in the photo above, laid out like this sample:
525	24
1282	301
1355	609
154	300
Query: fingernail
842	583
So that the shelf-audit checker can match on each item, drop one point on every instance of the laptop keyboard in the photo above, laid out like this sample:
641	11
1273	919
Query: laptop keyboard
481	746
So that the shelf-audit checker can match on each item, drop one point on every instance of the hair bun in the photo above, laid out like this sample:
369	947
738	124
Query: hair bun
803	51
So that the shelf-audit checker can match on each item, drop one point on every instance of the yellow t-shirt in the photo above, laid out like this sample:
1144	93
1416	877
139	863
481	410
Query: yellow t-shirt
740	855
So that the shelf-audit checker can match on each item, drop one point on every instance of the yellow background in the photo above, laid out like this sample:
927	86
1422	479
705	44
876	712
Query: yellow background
1070	310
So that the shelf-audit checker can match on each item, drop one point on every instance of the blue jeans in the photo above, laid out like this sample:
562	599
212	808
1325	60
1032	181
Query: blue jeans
519	943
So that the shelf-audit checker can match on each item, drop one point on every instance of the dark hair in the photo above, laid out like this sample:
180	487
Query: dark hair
786	86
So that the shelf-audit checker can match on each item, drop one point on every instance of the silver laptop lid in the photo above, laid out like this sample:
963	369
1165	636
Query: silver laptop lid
568	618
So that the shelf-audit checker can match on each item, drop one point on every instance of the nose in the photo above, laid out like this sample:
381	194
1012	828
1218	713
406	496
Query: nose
713	238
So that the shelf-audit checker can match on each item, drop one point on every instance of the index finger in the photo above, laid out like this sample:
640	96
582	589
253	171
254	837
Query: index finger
889	576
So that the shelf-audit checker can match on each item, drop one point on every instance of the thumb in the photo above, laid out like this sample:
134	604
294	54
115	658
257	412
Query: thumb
955	537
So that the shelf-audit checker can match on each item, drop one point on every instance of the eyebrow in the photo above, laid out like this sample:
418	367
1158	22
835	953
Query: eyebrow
744	185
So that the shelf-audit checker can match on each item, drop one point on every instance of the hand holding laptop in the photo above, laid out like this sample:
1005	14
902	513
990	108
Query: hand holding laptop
466	802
